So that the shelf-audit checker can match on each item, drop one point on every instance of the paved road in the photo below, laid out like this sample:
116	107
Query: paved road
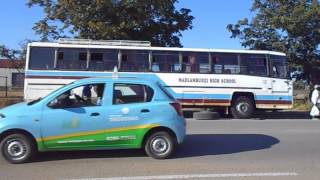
223	149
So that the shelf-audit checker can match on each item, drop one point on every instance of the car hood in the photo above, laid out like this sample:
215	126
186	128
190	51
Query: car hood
15	109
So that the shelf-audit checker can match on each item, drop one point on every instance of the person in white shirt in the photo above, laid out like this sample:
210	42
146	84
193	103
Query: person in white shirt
315	99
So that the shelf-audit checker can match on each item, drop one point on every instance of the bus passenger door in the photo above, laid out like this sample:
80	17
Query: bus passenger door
279	72
280	85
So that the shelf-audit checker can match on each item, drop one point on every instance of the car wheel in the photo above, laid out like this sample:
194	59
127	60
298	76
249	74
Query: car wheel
17	148
160	145
242	107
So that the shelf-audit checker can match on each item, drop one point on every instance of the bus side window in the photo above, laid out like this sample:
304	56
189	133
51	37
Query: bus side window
155	67
163	61
103	59
96	61
72	59
225	63
177	67
135	60
195	62
216	67
253	64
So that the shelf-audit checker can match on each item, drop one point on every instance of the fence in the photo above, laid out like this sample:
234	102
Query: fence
11	87
6	85
9	93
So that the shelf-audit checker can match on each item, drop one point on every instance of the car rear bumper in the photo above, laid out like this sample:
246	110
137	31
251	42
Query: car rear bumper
181	130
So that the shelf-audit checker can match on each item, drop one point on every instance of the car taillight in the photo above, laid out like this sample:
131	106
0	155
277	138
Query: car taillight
177	107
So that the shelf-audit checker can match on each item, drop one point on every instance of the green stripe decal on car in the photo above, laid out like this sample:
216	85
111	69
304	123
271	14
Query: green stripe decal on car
126	137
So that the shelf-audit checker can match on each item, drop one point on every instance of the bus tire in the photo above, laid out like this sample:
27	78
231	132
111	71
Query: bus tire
160	145
17	148
206	115
242	107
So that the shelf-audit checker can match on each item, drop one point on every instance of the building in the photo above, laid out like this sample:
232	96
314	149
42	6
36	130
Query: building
11	73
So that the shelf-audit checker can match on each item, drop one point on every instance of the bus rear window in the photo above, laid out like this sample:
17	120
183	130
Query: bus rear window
41	58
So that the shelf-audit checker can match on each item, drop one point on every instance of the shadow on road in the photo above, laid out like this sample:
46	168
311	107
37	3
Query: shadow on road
218	144
282	115
261	115
195	145
88	154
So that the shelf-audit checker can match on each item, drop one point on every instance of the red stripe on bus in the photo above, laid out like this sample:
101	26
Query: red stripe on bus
273	102
229	101
204	100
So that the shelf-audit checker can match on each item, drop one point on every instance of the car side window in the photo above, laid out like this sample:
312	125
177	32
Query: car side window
131	93
81	96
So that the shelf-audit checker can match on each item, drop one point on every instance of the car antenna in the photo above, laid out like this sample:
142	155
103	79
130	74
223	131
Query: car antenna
115	74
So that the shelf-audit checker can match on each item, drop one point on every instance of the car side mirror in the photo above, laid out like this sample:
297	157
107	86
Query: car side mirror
54	104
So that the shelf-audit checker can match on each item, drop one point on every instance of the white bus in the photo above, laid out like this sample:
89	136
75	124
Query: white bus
238	80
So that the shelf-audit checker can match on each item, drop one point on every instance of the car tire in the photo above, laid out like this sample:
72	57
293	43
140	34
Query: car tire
17	148
242	107
206	115
160	145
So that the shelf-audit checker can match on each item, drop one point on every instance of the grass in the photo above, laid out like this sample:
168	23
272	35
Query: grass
302	105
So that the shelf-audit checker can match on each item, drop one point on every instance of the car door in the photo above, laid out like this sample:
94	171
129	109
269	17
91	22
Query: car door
130	114
76	118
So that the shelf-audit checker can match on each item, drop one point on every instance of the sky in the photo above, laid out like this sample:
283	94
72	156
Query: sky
209	26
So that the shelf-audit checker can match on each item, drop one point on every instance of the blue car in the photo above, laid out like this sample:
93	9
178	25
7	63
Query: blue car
94	113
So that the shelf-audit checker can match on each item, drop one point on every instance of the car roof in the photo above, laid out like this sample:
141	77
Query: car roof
115	80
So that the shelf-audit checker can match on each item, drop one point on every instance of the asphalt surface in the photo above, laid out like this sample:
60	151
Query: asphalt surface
272	147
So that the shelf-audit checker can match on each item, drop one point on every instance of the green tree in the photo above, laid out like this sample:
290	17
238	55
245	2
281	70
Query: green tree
289	26
15	54
151	20
7	53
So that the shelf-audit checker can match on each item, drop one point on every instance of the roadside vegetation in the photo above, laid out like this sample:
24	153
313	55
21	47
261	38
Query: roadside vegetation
289	26
301	96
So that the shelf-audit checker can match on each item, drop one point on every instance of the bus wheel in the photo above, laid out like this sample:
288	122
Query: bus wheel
242	107
17	148
160	145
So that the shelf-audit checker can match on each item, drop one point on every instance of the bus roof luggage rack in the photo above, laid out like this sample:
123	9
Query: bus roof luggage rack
104	42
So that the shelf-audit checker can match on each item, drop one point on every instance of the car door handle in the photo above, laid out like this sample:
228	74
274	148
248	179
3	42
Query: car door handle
95	114
145	110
